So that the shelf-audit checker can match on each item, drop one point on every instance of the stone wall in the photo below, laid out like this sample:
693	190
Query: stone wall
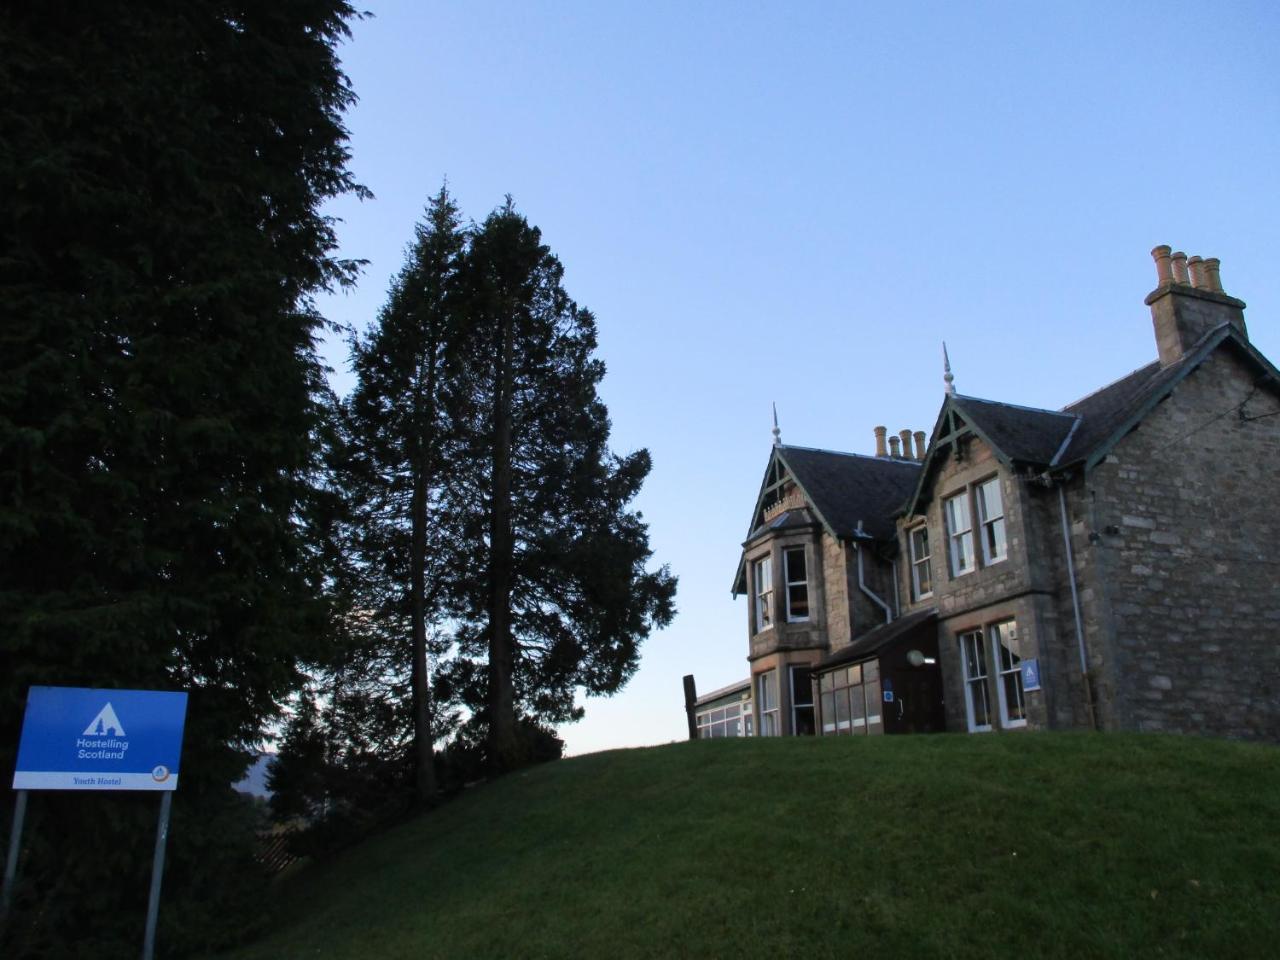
1185	528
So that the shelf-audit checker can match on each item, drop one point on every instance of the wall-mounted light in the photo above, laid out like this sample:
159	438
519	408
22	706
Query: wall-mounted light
918	659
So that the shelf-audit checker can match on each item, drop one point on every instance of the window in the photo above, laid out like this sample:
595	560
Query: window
921	575
959	532
802	724
768	697
1008	656
991	517
797	585
732	720
850	699
973	659
764	593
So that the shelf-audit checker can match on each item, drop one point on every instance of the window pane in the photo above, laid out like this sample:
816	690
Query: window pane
798	601
871	671
855	674
842	712
801	687
857	710
828	713
873	707
826	681
795	565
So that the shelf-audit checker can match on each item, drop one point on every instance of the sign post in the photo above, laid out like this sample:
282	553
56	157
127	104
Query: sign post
76	738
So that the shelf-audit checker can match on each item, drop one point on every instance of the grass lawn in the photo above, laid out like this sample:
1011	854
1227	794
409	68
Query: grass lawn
1037	845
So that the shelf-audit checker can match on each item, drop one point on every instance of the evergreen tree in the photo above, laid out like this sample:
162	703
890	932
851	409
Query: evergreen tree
560	570
160	244
400	435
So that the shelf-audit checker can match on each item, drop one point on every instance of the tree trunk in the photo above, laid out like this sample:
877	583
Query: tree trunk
503	748
423	741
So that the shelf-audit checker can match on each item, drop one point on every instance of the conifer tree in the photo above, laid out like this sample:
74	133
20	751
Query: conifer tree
160	246
401	436
559	572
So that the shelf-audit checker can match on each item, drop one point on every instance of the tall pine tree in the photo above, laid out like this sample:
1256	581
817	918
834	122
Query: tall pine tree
160	245
559	572
401	435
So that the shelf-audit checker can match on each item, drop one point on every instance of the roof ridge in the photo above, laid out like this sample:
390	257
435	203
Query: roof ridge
1016	406
1108	386
842	453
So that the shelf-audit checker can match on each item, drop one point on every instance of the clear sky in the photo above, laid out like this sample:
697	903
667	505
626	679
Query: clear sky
798	202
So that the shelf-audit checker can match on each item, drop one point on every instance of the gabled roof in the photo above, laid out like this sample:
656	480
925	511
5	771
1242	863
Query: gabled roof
848	489
1024	434
845	492
1084	431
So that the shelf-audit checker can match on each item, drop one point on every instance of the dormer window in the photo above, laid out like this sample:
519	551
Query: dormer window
793	563
762	577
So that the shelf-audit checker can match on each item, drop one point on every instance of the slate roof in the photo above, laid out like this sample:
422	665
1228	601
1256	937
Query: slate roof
1021	433
875	640
1056	438
845	488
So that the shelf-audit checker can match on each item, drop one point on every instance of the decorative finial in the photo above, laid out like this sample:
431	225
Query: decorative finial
946	370
777	434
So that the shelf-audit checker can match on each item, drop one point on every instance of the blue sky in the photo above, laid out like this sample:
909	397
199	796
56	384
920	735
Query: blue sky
798	202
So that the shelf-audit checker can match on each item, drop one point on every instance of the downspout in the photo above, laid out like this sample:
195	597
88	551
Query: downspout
1075	606
862	582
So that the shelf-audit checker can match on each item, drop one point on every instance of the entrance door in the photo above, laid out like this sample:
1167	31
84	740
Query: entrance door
917	702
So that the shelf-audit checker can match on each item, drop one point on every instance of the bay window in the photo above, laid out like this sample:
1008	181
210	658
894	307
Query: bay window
767	697
794	567
763	577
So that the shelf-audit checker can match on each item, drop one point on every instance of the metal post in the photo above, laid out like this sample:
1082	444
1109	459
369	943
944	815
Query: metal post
157	874
11	861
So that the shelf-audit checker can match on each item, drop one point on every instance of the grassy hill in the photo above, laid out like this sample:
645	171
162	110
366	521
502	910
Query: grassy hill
1060	845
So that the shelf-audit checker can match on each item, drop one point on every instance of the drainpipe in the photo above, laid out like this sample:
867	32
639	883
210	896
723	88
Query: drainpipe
862	582
1075	606
897	601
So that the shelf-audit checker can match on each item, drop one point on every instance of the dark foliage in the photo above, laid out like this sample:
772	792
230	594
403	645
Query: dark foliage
160	242
560	598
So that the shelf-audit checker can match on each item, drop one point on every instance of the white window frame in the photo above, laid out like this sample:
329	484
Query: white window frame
762	574
1014	669
790	582
918	561
959	538
767	697
975	681
993	523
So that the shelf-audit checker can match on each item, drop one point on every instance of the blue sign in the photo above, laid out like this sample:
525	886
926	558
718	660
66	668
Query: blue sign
1031	674
75	738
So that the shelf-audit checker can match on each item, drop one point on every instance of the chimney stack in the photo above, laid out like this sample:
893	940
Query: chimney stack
880	450
920	444
1188	302
893	448
906	444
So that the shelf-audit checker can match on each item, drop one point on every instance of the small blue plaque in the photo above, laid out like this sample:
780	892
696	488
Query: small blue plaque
1031	674
76	738
888	696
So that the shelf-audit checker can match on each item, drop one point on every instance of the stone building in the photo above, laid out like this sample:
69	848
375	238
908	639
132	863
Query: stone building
1111	565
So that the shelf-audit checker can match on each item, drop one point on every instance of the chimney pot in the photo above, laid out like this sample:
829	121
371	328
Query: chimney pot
920	444
906	444
1180	268
1198	279
893	448
880	448
1211	267
1164	269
